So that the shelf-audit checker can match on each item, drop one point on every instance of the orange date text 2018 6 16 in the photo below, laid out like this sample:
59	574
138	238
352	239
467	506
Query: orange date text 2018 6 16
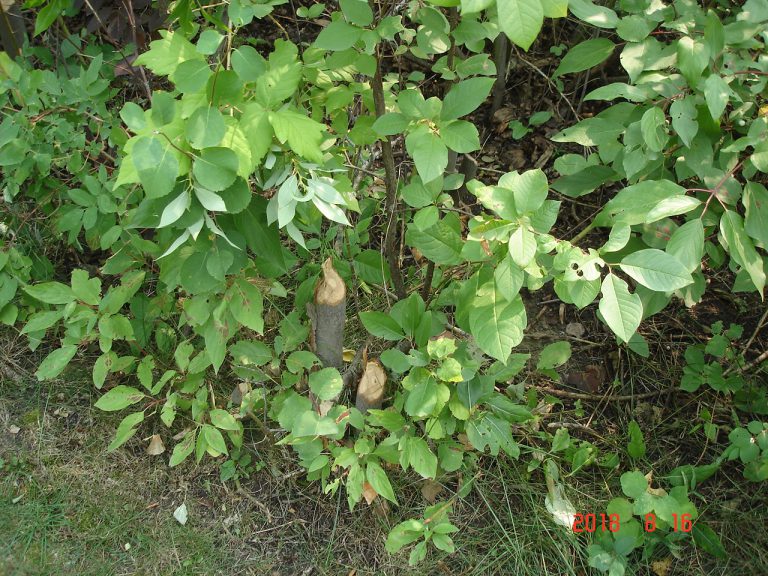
611	523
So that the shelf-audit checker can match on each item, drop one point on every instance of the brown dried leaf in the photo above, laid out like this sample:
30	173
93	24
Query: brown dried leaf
370	391
589	380
369	493
431	490
13	429
156	446
575	329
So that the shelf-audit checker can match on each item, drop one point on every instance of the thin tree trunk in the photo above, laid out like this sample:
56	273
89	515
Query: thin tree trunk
501	59
328	314
12	31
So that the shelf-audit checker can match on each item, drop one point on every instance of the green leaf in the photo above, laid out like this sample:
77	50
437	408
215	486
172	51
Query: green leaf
125	430
247	305
554	355
633	484
555	8
741	248
621	310
708	540
255	123
310	423
223	420
585	55
390	124
755	202
460	136
717	93
378	479
381	325
40	321
673	206
636	446
406	532
216	168
205	128
683	113
656	270
522	246
520	20
118	398
357	12
326	384
687	244
214	440
165	55
652	127
55	362
423	399
692	58
442	243
598	16
302	134
156	166
496	323
51	293
530	190
250	352
192	76
337	36
86	289
465	97
209	42
183	449
421	458
429	153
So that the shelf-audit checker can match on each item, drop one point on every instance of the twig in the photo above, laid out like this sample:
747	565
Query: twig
620	398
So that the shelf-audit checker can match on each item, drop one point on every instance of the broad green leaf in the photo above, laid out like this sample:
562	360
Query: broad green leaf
632	204
621	310
741	247
216	168
441	243
248	63
223	420
636	445
692	58
530	190
599	16
210	200
619	90
40	321
390	124
156	166
496	324
429	153
192	76
708	540
51	293
656	270
300	132
717	93
378	479
214	440
756	218
673	206
555	8
617	238
421	458
683	113
184	448
125	430
520	20
255	123
86	289
118	398
509	278
283	75
175	209
205	128
165	55
357	12
337	36
215	335
460	136
554	355
209	42
381	325
55	362
423	399
687	244
465	97
652	127
522	246
326	384
585	55
411	530
470	6
633	484
591	132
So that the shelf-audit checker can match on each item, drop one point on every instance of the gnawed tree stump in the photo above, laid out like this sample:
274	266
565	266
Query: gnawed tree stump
327	314
370	391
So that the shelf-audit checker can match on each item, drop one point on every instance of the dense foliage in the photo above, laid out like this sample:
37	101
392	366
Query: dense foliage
250	166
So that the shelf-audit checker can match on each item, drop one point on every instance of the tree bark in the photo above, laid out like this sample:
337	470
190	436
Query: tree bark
328	314
12	31
501	59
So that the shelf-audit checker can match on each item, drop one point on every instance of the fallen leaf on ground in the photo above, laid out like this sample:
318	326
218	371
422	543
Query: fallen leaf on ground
431	490
661	567
575	329
181	514
13	429
156	446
